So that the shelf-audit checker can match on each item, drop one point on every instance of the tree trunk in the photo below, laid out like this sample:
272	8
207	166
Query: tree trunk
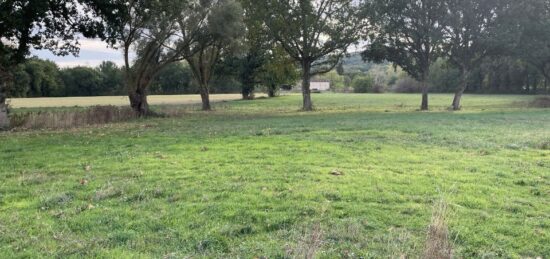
536	85
271	91
424	106
460	90
425	89
248	92
205	97
306	91
4	119
138	102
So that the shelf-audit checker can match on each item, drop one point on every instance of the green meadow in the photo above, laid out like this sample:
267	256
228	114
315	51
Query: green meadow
360	177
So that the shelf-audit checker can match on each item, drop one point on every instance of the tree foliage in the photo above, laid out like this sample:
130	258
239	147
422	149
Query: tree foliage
470	36
159	32
316	34
409	34
218	37
47	24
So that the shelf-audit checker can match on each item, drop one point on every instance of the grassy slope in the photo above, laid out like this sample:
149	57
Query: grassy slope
253	179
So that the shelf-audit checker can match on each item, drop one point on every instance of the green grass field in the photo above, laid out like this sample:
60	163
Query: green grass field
254	179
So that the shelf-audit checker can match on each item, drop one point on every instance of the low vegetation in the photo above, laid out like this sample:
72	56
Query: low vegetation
361	176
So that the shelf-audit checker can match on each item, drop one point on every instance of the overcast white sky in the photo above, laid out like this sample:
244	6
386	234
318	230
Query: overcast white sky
92	53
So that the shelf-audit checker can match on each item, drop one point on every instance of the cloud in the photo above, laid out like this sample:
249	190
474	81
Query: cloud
94	45
92	53
84	62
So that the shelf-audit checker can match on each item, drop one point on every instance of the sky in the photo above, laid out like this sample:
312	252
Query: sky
92	53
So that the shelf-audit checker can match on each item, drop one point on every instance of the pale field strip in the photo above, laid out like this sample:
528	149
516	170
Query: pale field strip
116	100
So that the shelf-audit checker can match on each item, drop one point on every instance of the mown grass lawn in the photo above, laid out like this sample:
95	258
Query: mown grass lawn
254	179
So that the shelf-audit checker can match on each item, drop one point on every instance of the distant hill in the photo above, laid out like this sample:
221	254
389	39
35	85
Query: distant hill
355	64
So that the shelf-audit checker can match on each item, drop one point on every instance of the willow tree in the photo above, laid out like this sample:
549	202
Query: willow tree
408	34
149	35
315	33
220	34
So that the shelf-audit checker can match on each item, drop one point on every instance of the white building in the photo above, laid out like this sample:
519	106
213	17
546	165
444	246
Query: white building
319	85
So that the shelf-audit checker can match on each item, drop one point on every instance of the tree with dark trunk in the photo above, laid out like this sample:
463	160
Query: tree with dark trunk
528	22
280	69
4	120
250	67
469	35
257	45
219	36
202	64
154	30
47	24
316	34
408	34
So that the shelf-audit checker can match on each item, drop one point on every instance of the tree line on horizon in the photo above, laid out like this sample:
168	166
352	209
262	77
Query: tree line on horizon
267	39
43	78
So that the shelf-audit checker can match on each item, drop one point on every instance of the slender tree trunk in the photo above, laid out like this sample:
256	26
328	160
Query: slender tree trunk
461	88
306	91
4	119
138	102
536	85
424	105
205	97
425	89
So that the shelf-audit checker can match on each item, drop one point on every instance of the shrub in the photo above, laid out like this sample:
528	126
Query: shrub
69	119
362	84
541	102
378	88
407	85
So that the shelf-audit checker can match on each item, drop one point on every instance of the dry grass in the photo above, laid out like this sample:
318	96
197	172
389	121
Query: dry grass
69	119
308	244
438	244
17	103
541	102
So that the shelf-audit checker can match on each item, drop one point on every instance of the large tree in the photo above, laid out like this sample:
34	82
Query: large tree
47	24
528	22
112	78
470	36
44	78
83	81
315	33
279	69
224	26
408	34
250	64
149	33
